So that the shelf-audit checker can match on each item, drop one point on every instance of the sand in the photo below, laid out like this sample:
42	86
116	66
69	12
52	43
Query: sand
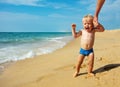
56	69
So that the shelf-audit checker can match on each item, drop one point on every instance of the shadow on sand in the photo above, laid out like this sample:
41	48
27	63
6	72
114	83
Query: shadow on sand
106	68
103	69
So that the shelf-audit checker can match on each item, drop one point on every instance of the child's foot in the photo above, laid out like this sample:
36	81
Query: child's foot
91	74
75	74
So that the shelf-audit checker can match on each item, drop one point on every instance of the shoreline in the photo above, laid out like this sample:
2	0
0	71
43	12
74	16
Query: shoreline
5	65
56	68
30	44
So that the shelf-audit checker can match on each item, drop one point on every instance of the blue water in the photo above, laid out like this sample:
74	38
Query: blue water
21	45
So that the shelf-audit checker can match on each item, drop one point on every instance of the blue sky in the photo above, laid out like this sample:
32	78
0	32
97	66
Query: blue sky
54	15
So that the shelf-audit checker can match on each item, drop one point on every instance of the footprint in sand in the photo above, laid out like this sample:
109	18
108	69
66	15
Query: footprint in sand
67	67
44	77
1	69
82	66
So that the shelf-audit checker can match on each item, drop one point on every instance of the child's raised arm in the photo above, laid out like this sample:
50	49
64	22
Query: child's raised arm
74	33
99	28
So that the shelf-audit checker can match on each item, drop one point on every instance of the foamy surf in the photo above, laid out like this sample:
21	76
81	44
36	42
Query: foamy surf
27	45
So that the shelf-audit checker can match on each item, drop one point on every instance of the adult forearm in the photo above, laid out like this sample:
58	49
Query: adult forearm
99	6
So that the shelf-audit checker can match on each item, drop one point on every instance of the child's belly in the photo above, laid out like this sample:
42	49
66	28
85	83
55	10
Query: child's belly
87	45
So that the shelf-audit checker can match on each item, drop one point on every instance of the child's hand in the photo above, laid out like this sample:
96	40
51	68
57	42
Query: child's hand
73	25
96	25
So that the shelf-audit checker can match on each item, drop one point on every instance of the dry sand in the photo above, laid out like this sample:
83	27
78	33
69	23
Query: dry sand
56	69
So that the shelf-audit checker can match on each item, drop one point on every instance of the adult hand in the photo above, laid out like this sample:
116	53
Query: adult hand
95	20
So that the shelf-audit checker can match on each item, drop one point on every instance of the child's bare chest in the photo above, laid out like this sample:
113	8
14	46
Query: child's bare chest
88	35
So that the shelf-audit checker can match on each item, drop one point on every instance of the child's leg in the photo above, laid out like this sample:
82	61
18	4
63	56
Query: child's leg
78	65
90	63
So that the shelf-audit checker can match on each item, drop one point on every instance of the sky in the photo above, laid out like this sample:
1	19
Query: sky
54	15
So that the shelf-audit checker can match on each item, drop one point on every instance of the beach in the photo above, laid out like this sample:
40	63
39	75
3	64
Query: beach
56	69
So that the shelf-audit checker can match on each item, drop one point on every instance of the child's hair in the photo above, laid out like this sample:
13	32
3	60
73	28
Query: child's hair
88	16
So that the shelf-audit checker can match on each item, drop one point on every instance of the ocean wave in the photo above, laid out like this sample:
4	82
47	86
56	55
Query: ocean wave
31	49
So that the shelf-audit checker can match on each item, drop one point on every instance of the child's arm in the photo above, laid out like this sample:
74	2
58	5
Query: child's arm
74	33
99	28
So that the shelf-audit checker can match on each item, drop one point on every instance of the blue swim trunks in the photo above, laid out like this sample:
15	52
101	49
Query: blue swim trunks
86	52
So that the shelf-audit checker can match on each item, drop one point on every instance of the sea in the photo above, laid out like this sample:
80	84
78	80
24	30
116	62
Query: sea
16	46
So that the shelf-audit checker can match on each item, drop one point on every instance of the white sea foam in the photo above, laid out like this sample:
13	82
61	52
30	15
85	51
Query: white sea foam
28	50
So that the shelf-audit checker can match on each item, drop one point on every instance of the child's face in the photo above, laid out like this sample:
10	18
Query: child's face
88	24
